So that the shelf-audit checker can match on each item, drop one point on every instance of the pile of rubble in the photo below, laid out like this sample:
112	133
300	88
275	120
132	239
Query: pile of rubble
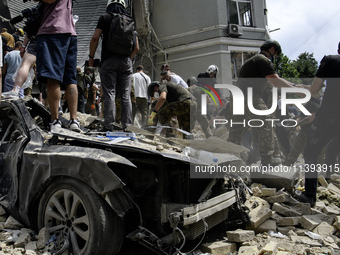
17	240
278	225
281	225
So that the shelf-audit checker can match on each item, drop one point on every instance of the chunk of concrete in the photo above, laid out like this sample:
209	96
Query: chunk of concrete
2	211
308	223
305	240
337	223
270	248
12	223
219	248
330	210
279	177
266	226
285	230
277	199
285	210
333	189
240	235
43	238
248	250
324	229
259	215
289	221
322	181
22	240
268	192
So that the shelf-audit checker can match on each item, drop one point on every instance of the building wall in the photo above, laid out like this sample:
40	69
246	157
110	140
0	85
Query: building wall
193	34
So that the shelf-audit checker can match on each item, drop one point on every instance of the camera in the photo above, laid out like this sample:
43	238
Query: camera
33	19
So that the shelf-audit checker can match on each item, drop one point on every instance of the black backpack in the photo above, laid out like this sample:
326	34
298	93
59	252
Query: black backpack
121	34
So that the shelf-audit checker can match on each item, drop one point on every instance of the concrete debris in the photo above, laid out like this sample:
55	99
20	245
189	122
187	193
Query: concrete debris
279	225
219	248
240	235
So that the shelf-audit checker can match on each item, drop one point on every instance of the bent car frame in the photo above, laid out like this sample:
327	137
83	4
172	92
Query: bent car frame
94	192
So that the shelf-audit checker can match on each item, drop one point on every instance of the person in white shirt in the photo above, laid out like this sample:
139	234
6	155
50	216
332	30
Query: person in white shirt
174	78
141	81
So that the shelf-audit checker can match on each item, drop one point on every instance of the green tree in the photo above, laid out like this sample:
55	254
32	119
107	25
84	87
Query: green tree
306	65
286	69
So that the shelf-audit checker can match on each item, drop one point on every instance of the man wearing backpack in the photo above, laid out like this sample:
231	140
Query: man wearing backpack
119	46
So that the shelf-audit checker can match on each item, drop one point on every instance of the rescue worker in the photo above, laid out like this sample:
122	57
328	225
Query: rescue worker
180	103
256	73
326	125
197	93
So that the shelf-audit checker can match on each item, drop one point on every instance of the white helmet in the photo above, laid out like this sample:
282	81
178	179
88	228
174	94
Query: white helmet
212	69
122	2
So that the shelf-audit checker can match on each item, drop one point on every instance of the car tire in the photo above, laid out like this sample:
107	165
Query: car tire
72	208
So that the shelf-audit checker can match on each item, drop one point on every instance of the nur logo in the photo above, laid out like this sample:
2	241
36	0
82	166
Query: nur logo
204	97
239	105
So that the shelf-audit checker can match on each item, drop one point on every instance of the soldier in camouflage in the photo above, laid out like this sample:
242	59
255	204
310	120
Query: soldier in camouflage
256	73
179	103
202	119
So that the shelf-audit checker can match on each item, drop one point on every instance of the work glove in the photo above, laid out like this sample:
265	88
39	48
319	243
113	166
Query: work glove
151	117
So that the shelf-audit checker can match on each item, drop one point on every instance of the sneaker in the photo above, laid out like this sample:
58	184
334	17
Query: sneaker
75	126
10	94
113	127
55	125
302	197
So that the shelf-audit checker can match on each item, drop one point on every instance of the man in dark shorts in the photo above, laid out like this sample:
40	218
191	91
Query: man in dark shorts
258	73
326	125
57	58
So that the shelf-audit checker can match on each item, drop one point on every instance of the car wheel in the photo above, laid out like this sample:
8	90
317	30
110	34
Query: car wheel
72	208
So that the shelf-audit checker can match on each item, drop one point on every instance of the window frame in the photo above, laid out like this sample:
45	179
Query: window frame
241	18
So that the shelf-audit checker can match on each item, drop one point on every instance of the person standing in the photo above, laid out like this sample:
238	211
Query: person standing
9	37
174	78
12	62
57	58
116	69
326	124
28	54
259	73
197	92
140	82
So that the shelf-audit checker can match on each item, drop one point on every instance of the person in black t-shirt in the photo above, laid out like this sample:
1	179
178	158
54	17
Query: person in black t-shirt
326	125
116	69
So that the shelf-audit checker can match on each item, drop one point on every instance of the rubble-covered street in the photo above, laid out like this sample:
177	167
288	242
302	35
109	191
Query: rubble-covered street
278	225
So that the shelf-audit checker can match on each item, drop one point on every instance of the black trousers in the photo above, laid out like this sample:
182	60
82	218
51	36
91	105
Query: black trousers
323	130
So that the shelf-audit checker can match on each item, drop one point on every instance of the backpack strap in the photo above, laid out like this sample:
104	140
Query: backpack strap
144	78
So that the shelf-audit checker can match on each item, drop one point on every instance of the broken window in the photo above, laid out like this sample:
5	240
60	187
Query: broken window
237	60
240	12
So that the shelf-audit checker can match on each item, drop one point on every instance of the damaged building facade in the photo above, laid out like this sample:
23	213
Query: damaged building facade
188	35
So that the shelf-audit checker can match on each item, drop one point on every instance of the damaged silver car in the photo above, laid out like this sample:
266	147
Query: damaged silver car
93	192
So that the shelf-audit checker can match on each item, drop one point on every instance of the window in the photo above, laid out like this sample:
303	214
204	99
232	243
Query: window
240	12
237	60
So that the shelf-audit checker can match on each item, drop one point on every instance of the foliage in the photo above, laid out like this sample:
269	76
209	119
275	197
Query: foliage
307	66
285	69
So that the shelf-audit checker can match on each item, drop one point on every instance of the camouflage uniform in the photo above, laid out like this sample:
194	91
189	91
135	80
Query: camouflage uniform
202	119
181	110
268	144
180	103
